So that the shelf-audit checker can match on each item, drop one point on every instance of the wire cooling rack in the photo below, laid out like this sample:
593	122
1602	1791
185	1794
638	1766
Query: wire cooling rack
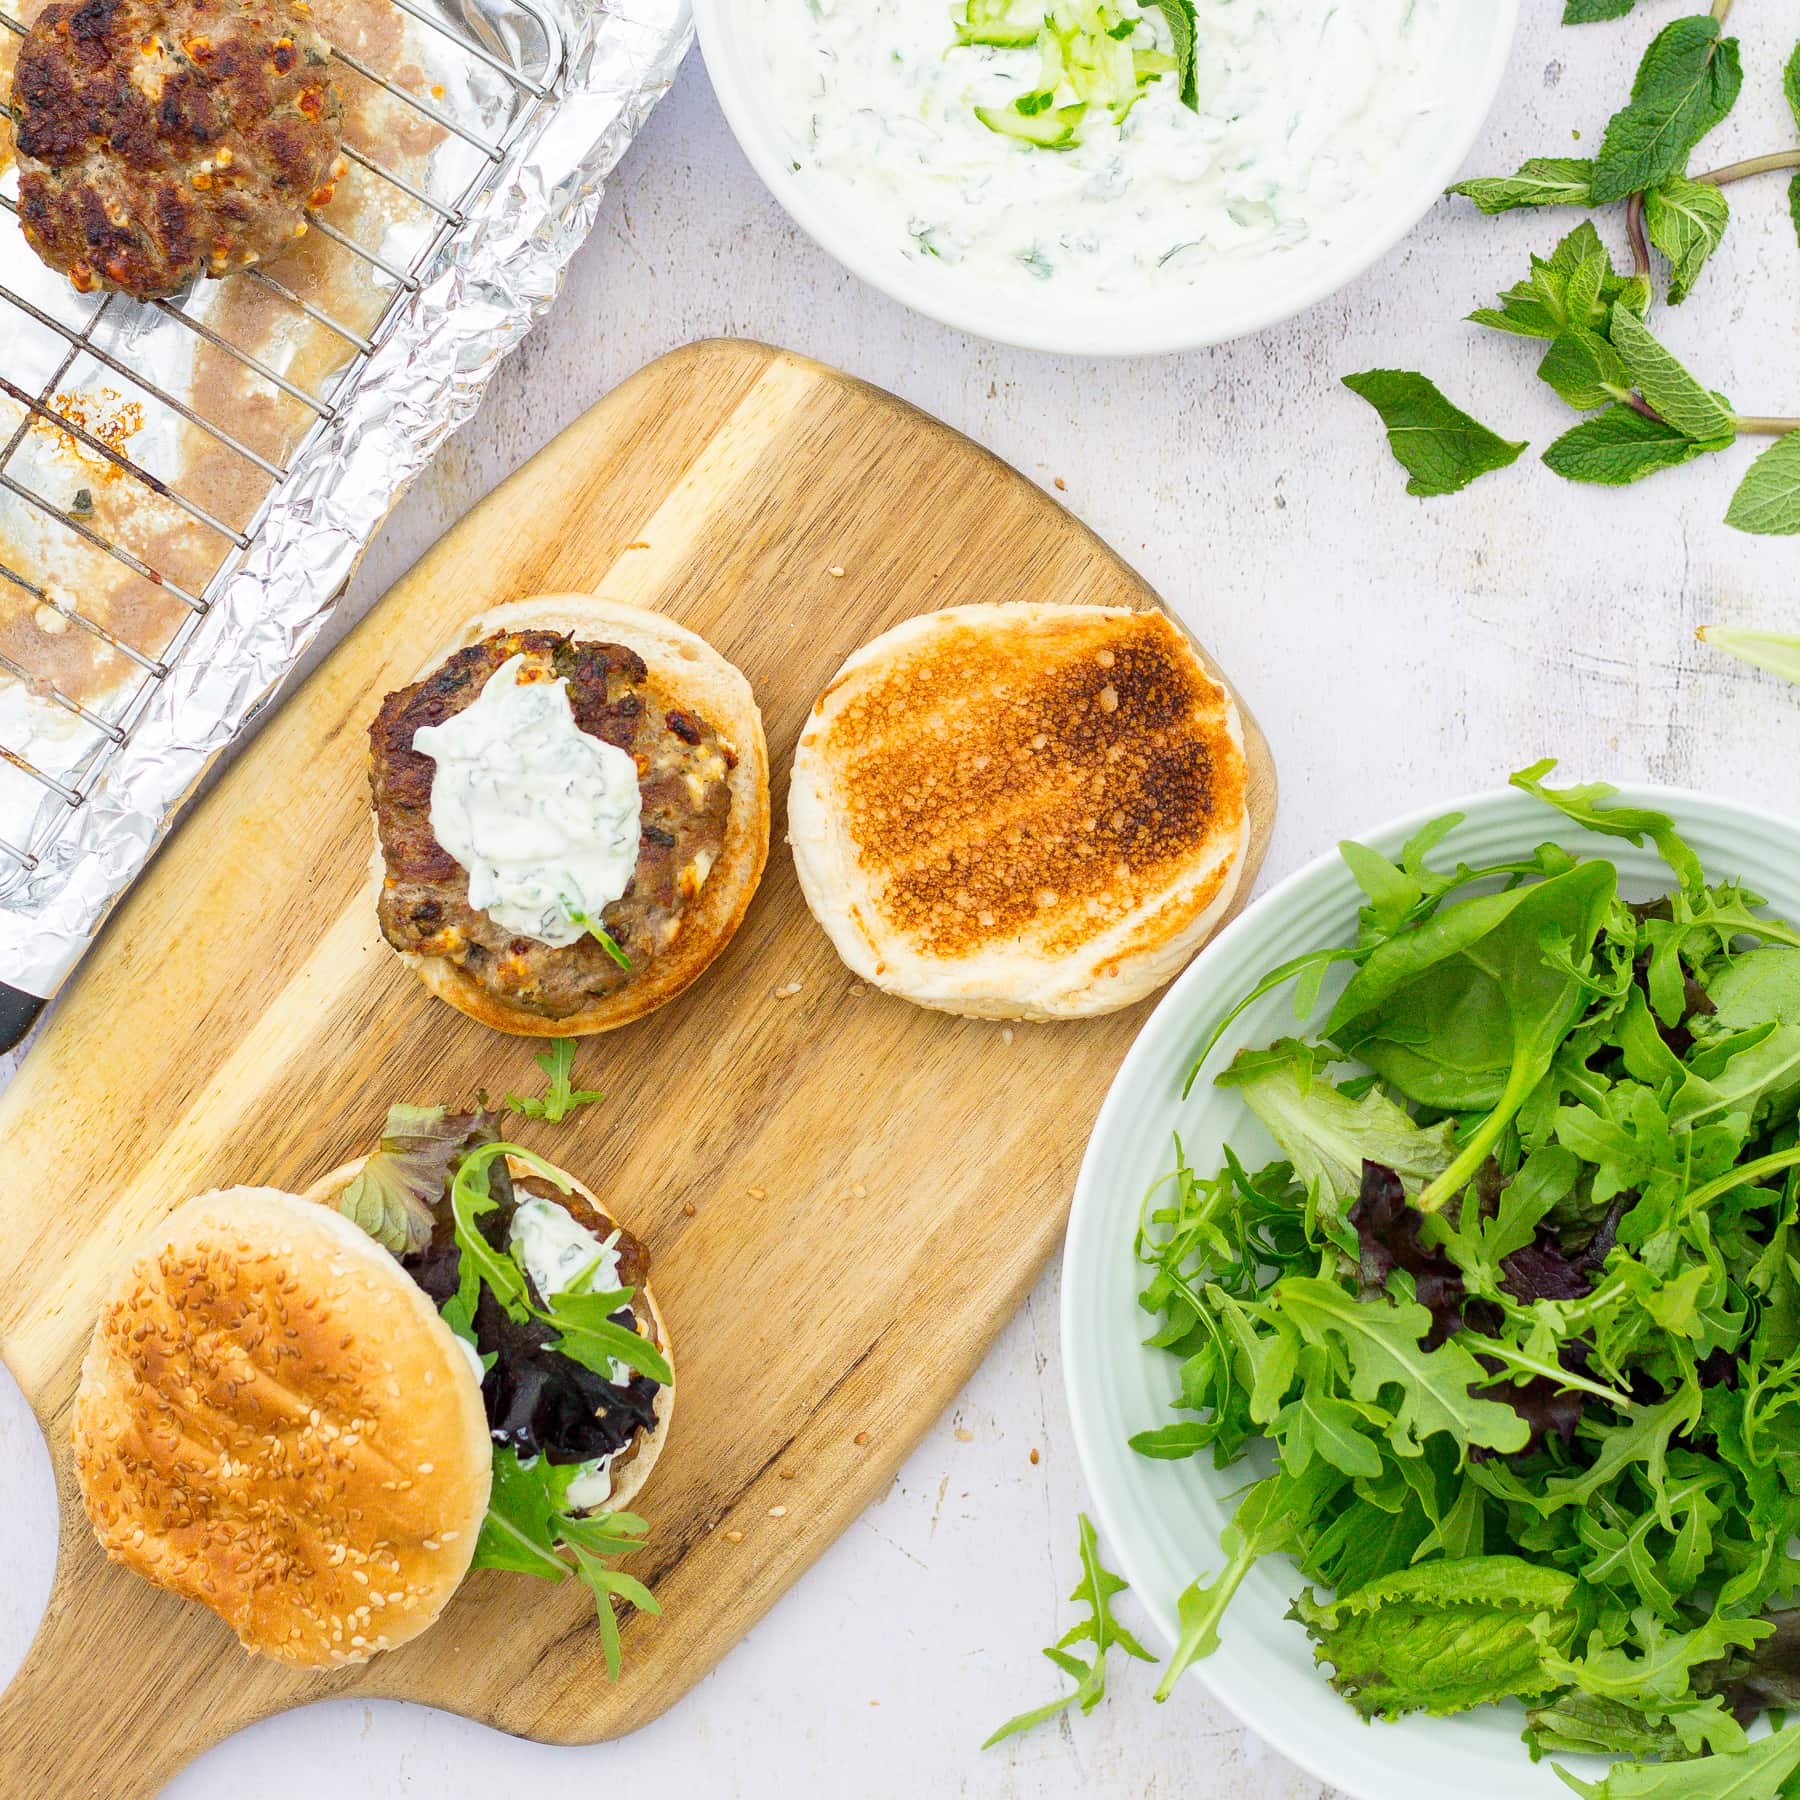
510	57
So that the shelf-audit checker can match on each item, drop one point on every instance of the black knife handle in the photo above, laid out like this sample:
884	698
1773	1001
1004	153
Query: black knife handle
18	1013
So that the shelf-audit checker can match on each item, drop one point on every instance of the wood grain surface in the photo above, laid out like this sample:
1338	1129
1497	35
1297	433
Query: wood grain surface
872	1187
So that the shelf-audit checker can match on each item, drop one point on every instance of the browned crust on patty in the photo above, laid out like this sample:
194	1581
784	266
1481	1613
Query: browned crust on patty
161	140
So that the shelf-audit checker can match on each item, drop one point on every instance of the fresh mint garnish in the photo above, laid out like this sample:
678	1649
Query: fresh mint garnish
1438	444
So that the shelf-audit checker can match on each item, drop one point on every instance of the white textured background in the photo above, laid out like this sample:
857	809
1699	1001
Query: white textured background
1395	651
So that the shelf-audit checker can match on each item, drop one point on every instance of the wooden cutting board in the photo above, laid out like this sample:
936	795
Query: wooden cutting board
845	1197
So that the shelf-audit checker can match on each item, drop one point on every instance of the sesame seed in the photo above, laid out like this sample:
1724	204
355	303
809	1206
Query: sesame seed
1034	1458
687	1210
862	1437
1006	1035
837	570
757	1193
734	1537
964	1435
777	1512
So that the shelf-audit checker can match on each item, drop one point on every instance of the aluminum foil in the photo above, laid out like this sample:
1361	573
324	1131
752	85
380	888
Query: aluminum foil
490	283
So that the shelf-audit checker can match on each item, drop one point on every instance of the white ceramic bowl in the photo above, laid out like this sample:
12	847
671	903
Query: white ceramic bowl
1120	325
1161	1520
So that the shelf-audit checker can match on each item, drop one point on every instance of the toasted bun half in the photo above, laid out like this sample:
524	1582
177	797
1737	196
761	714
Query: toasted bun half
631	1469
685	671
272	1420
1021	812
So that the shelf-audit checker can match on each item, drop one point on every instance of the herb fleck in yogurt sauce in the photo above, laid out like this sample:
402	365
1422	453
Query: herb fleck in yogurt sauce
1303	106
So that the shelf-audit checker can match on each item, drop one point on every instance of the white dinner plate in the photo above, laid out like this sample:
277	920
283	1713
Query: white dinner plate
1161	1520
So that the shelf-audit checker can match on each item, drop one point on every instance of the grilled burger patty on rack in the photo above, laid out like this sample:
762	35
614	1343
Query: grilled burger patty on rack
683	771
161	140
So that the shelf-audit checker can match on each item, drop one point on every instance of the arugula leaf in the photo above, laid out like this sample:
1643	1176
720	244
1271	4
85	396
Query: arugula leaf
1586	806
1444	1637
481	1263
1669	388
396	1195
1585	370
1767	502
1757	1773
527	1526
1688	81
1095	1590
1382	1342
1543	181
1619	447
1686	221
590	1338
602	936
1771	650
561	1099
1438	444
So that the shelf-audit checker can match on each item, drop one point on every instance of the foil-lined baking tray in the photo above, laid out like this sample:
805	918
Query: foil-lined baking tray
185	486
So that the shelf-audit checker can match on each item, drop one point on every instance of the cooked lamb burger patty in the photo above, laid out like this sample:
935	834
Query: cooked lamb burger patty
161	140
683	799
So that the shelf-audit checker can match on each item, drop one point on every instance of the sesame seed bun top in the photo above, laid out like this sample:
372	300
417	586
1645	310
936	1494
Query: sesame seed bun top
273	1420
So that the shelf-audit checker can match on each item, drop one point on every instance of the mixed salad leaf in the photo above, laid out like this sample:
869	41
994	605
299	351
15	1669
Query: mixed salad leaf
1506	1339
561	1096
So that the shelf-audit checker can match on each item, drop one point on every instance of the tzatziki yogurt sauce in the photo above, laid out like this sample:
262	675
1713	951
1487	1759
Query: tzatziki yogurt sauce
1304	105
545	818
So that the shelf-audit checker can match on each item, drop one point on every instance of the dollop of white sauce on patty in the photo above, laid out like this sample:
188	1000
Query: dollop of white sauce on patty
1304	106
545	818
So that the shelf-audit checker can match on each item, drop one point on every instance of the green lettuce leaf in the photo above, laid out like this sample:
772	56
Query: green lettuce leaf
396	1196
1444	1637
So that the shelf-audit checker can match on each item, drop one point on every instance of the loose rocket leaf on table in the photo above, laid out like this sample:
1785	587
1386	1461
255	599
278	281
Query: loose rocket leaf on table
1438	444
1686	221
1095	1590
1757	1773
1619	447
1767	502
1669	388
561	1096
1443	1637
1585	370
1543	181
1688	81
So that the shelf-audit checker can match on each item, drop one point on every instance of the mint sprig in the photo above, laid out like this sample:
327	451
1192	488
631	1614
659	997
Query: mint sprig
1604	357
1438	444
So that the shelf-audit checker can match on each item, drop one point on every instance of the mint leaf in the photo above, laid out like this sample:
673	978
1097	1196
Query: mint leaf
1585	370
1438	444
1543	181
1095	1590
1443	1637
1619	447
1686	220
1589	12
1669	388
1790	85
1689	80
1757	1773
1769	650
1183	30
1767	502
1574	289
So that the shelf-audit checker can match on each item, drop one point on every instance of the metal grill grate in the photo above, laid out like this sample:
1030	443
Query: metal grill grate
513	41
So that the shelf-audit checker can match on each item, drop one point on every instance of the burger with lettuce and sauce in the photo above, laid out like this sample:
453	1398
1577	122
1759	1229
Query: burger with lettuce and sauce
315	1414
